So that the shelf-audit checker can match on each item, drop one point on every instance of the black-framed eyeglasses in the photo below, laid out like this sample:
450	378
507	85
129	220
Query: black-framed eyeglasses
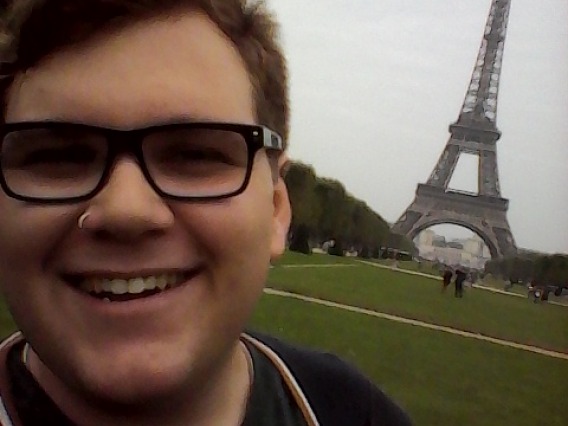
56	162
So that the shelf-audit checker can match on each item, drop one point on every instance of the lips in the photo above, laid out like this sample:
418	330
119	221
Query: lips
119	289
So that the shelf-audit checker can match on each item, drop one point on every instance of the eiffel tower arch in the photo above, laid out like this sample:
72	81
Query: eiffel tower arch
475	133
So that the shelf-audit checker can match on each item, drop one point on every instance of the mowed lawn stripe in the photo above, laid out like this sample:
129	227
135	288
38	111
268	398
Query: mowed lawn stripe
467	334
419	298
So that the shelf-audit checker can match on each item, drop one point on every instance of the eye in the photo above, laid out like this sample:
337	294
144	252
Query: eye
204	154
61	155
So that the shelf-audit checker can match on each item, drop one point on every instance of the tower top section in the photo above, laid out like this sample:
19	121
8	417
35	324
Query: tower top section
479	109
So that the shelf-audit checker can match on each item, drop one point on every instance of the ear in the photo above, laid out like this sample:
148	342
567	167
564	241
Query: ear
282	213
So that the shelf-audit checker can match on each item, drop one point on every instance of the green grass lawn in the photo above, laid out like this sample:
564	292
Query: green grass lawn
416	297
440	379
488	281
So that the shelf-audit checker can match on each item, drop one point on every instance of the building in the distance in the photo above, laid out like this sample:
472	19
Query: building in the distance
426	237
470	253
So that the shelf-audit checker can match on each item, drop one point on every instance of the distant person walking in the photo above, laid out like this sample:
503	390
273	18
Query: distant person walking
446	279
460	278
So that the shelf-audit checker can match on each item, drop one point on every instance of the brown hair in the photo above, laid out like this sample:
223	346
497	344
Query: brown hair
33	29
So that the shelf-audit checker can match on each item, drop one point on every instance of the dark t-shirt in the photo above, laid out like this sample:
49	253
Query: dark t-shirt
270	401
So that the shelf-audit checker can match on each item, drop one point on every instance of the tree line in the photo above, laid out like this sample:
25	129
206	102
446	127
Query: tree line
543	270
322	211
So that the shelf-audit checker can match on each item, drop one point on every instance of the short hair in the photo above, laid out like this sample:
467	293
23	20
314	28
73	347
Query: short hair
33	29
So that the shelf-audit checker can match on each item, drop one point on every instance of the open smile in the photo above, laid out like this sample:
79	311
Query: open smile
119	289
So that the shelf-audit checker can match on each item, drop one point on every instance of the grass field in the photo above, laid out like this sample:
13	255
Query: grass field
439	378
488	281
410	296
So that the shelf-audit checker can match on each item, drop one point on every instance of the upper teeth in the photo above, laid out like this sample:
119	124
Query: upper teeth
131	286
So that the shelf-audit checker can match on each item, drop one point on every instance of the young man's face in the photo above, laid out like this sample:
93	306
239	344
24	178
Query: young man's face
147	73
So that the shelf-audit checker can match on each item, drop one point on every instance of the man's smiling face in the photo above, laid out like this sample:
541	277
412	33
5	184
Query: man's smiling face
214	255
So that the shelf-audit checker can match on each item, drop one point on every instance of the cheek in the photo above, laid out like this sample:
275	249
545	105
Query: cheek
236	228
236	233
29	235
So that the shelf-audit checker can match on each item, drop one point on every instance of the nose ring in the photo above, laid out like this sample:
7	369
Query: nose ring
82	218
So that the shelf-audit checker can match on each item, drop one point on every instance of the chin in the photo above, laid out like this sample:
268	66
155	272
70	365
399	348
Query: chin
136	388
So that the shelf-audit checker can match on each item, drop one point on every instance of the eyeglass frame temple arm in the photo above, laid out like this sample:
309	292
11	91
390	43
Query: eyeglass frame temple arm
271	139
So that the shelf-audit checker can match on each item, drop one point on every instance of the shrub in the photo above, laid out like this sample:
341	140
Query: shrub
365	253
300	240
337	249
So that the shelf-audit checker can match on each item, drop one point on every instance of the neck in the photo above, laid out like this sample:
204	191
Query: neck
197	403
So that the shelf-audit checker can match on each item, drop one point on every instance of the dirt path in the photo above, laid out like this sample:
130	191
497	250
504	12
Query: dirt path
423	324
319	265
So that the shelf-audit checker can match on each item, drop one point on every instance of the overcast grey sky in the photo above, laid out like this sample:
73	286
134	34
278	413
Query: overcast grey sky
375	84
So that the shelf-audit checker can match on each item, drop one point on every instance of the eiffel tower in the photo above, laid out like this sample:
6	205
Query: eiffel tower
475	132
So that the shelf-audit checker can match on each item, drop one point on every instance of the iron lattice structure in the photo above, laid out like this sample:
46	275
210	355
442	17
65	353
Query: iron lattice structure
475	132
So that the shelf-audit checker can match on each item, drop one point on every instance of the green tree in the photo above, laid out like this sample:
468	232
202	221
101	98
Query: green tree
301	181
323	210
